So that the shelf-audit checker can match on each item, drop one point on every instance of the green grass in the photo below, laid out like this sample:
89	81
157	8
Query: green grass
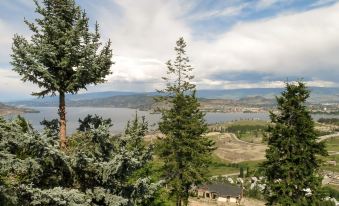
251	136
335	187
332	144
250	122
219	166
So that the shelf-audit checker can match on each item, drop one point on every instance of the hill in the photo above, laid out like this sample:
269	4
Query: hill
6	110
264	97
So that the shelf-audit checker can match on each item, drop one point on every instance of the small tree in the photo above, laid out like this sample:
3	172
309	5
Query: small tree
292	165
185	150
90	121
241	171
63	56
51	126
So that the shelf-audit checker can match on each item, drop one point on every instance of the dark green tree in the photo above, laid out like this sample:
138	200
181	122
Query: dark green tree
292	165
185	150
62	56
93	121
241	171
51	126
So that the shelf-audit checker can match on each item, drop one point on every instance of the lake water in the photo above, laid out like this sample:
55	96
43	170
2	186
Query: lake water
120	116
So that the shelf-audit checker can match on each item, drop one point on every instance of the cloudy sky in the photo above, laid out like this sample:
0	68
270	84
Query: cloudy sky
231	43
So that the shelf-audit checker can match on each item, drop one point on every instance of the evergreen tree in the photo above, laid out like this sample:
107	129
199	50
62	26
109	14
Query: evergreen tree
62	56
96	169
95	122
51	126
292	165
241	171
185	150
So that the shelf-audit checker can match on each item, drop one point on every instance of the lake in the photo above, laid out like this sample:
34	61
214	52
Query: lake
120	116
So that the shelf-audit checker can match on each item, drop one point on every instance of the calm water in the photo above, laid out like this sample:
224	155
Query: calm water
120	116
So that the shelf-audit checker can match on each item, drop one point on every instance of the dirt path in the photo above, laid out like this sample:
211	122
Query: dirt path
325	137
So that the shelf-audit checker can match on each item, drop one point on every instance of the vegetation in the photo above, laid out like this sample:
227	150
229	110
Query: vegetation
253	131
334	121
332	144
185	150
90	121
96	169
292	165
62	56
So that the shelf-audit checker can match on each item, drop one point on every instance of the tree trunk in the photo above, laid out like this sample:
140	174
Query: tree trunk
62	122
178	201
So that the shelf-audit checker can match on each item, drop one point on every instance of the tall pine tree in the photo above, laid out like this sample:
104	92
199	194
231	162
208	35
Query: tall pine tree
292	165
62	56
185	150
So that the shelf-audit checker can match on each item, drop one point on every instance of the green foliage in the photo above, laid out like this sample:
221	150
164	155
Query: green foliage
244	128
331	192
254	193
51	126
93	122
96	168
185	150
24	124
292	165
241	172
62	54
329	121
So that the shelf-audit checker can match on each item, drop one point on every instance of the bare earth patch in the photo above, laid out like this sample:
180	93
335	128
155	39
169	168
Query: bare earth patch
229	147
232	149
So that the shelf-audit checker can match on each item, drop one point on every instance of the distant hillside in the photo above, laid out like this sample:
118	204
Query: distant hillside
6	110
257	100
256	96
238	93
146	102
318	94
141	102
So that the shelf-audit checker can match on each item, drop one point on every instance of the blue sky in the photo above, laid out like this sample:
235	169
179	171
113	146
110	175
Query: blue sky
231	43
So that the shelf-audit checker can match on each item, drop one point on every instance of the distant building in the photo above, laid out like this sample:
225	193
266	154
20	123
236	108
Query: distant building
221	192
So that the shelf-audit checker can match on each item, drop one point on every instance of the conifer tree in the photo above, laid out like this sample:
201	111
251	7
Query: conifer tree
94	121
95	170
62	56
292	165
185	150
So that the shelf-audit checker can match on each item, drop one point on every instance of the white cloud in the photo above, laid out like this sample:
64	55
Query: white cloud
318	3
12	87
144	32
264	4
296	44
6	35
218	84
225	12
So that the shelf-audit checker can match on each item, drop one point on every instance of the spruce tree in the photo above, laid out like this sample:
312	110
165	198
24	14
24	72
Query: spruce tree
292	165
185	150
97	169
62	56
94	121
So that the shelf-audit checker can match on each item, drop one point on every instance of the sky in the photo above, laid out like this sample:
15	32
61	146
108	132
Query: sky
230	43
